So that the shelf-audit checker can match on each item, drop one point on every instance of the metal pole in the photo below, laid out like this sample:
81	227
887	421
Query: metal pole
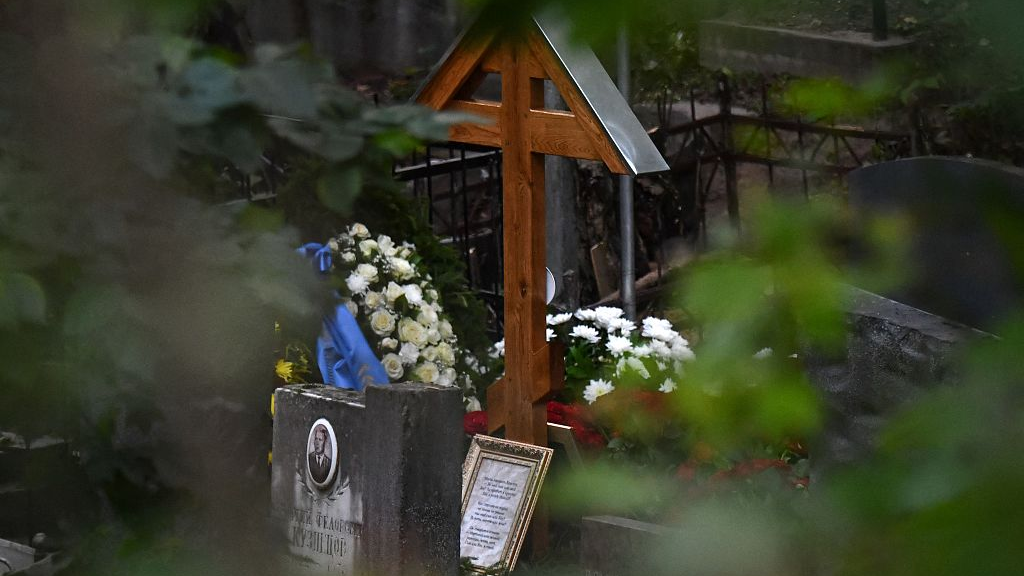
880	27
628	282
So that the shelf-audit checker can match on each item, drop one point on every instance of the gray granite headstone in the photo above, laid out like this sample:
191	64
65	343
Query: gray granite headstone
966	263
616	546
368	482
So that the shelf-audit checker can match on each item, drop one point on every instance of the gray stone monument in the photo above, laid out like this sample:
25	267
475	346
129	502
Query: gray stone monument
616	546
368	483
965	262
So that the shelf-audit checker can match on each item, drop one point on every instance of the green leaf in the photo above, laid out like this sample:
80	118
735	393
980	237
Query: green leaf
21	298
339	187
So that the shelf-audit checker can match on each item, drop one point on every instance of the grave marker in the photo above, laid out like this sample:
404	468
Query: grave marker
368	482
598	126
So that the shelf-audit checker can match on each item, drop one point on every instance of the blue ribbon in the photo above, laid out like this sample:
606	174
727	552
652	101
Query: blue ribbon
321	255
344	356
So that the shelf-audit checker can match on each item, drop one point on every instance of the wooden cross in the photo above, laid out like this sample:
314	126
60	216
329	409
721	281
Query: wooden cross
598	126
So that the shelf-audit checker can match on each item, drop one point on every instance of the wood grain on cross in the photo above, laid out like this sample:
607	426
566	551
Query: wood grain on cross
525	131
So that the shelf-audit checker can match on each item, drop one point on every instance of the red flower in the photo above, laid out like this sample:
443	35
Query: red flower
557	412
652	402
589	438
475	422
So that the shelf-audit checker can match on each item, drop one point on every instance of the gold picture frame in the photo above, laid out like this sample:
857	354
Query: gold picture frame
501	480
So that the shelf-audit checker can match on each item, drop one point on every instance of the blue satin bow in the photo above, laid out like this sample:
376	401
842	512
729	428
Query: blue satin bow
320	254
344	356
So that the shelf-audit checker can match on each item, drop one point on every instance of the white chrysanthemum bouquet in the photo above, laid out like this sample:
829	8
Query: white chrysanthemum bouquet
603	348
399	311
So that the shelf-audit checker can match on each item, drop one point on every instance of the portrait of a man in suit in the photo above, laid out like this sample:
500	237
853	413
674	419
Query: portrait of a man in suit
319	457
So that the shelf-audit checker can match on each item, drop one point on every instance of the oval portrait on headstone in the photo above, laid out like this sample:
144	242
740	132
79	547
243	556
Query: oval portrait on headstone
321	453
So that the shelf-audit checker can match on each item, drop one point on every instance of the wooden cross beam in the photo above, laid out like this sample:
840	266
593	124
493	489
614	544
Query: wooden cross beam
525	131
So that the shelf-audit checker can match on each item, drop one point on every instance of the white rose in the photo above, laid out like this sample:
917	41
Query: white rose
382	322
332	245
356	283
367	247
389	343
358	230
432	294
427	316
427	373
393	366
348	257
374	299
410	330
386	244
352	308
413	294
368	271
445	354
401	268
393	292
445	328
433	336
473	405
430	353
447	377
409	353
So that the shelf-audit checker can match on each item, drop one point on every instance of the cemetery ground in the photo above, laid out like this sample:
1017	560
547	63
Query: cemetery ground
236	339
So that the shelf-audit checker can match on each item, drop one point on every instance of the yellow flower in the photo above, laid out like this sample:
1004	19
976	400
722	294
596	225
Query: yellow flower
284	370
271	405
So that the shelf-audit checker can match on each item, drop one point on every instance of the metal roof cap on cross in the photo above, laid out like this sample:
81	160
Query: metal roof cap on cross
599	125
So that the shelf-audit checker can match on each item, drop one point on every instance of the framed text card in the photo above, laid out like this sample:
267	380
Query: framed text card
500	483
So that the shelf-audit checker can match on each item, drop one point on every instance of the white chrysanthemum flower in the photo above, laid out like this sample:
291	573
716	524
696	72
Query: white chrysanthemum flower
356	284
358	230
763	353
642	351
661	349
587	333
622	325
393	366
659	329
427	373
401	268
604	315
389	344
596	389
409	352
617	345
638	366
368	271
473	405
413	294
667	386
410	330
549	335
585	315
680	351
556	319
382	322
348	257
368	247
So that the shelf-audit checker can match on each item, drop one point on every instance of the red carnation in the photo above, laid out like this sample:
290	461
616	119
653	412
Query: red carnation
475	422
